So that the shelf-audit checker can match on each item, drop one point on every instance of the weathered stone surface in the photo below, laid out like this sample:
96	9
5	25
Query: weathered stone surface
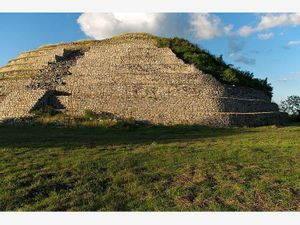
51	76
20	102
131	77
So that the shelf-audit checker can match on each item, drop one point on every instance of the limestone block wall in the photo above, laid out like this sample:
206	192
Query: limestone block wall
139	80
16	100
130	77
7	86
19	102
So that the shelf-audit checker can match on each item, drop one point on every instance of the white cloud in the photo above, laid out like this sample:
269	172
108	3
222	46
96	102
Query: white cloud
269	21
199	25
277	20
292	44
104	25
208	26
265	36
245	31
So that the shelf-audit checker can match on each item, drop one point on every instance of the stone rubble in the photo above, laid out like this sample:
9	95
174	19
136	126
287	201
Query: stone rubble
51	76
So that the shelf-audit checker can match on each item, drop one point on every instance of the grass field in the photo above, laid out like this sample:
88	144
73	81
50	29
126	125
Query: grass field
150	168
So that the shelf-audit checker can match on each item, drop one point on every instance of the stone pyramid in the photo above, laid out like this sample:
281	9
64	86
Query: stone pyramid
130	77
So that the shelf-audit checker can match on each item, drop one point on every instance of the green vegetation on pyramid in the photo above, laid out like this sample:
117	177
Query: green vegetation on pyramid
210	64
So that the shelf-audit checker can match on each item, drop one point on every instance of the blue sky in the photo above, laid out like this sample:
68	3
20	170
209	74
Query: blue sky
266	44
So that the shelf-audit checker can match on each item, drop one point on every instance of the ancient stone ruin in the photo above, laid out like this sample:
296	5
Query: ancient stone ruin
130	77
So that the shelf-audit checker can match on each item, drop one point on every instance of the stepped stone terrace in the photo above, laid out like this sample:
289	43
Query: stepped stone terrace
130	77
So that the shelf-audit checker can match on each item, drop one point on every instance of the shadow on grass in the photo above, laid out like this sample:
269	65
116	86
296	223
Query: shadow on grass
37	136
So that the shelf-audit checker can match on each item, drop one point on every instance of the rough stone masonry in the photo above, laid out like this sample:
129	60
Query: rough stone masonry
129	77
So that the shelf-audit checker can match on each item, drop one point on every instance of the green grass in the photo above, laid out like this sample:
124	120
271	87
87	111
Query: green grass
149	168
